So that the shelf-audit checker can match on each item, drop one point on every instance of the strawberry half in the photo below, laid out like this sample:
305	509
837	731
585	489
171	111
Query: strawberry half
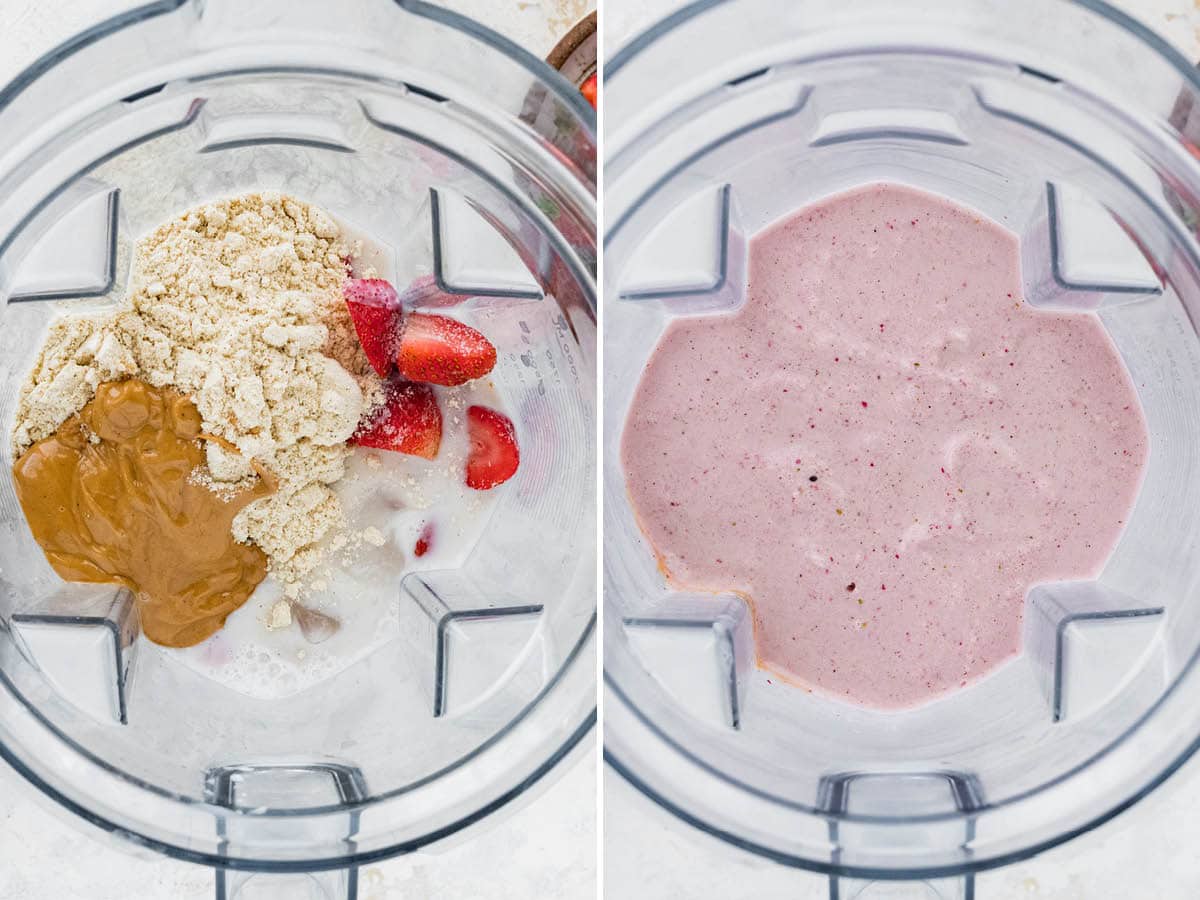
441	350
588	89
494	455
375	311
408	422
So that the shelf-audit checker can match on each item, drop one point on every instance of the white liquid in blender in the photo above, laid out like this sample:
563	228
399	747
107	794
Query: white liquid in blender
398	495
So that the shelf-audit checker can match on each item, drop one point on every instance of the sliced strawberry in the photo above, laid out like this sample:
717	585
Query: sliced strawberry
588	89
494	455
408	422
375	310
441	350
424	540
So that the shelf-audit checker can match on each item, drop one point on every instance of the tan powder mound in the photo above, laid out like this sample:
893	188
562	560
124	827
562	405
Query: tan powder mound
237	304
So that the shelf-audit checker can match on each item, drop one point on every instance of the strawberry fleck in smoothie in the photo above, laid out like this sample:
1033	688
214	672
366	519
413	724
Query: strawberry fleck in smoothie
884	448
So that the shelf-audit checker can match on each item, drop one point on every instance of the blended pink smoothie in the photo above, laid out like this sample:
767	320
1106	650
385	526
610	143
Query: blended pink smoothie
884	448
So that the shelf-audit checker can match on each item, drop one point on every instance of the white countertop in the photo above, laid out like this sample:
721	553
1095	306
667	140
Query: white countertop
1151	852
545	847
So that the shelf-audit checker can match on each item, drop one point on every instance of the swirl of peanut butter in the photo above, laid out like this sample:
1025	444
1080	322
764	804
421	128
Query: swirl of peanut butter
111	497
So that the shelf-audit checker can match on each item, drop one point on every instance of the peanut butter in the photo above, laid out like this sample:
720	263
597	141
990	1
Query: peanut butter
111	498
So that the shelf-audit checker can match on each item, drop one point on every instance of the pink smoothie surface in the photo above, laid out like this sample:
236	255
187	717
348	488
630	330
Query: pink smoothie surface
884	448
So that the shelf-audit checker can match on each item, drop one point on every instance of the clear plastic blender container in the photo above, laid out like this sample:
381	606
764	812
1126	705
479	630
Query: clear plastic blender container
1073	126
461	157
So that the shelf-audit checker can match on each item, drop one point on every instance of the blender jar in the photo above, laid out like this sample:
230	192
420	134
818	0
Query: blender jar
1073	126
463	158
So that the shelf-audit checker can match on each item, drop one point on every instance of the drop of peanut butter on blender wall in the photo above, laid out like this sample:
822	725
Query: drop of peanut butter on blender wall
111	498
